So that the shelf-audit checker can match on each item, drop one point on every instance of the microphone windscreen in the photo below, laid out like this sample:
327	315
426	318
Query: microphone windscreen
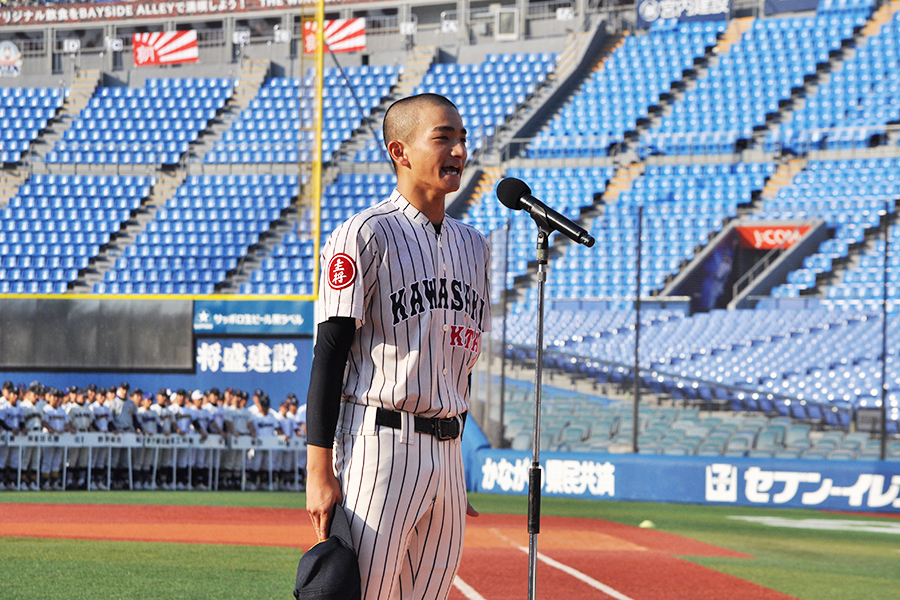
510	191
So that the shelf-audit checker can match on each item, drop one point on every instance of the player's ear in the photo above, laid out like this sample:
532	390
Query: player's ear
397	151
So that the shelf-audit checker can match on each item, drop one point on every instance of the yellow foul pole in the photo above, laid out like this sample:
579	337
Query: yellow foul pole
317	142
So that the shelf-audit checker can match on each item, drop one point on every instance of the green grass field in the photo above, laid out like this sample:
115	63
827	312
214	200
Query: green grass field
810	565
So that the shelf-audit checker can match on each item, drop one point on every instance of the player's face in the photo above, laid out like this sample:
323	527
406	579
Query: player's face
161	400
437	153
79	399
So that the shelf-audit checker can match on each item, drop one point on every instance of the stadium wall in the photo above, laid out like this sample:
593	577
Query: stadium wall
241	344
714	480
41	40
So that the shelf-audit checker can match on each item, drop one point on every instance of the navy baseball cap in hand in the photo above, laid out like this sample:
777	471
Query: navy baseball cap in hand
330	569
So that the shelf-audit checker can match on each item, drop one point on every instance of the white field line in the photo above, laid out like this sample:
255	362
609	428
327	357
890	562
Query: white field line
570	571
467	590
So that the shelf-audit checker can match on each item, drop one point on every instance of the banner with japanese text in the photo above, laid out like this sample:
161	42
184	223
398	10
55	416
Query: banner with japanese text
652	11
341	35
165	48
717	480
254	317
278	366
95	12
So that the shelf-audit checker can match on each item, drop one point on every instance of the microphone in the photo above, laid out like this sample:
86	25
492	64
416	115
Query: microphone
516	195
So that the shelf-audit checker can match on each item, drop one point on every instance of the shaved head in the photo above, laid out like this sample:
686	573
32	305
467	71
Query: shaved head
402	118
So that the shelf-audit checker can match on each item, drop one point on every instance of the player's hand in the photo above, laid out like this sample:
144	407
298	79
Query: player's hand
323	490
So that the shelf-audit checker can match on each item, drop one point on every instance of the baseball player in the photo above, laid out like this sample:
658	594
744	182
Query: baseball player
165	479
82	421
145	456
299	415
405	295
10	422
32	421
286	460
124	419
238	422
55	421
266	424
100	456
182	422
212	404
200	420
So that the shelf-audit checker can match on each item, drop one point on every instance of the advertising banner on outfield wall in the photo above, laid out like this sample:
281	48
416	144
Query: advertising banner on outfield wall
651	11
90	12
278	366
717	480
254	317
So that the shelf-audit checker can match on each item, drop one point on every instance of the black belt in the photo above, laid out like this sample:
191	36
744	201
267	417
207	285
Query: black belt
442	429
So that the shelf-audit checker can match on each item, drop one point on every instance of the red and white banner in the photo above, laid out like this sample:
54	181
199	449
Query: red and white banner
341	35
767	237
165	48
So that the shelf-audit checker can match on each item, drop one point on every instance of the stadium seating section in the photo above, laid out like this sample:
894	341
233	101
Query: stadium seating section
282	113
153	124
849	195
200	234
487	94
589	424
793	373
854	105
749	81
56	224
622	89
24	112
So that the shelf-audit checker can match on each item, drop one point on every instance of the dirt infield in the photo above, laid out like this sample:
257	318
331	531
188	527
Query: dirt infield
582	558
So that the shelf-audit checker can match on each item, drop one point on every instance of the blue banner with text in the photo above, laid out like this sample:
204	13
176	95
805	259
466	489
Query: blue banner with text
714	480
253	317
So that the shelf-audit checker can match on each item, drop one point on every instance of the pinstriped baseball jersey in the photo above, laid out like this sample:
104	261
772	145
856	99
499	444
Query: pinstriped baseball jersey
421	300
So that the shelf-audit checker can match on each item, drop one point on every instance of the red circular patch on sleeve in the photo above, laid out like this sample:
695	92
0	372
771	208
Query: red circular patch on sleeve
341	271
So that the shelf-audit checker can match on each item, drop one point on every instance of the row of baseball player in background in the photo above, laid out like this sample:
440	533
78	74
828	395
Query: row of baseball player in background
118	409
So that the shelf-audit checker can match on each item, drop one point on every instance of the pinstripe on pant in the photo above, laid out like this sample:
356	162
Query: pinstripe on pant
407	506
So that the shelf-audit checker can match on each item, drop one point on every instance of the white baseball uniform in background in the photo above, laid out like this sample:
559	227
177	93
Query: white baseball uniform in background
81	418
11	415
52	456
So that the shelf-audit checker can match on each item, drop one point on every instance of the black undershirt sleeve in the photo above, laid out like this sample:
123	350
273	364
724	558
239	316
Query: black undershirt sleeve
323	402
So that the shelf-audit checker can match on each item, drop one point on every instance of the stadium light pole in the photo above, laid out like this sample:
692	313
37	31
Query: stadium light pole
503	340
884	329
637	333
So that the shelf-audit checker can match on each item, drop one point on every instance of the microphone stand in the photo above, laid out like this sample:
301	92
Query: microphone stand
534	473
